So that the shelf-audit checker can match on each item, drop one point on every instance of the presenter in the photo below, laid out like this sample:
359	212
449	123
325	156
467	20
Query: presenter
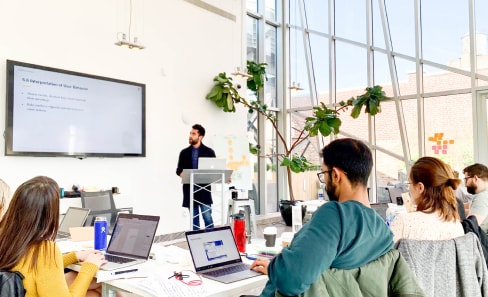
188	159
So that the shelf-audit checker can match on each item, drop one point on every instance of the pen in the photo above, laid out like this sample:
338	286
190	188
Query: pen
125	271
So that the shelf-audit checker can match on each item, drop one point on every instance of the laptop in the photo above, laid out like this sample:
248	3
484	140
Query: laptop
131	240
74	217
215	255
212	163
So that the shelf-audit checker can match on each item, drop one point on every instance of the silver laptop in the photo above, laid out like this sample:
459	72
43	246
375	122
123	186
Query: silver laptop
74	217
215	255
212	163
131	240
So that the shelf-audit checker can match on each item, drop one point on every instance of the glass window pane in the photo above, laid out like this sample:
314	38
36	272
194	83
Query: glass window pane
448	129
271	9
319	46
401	20
442	43
270	56
378	36
271	164
351	66
317	15
252	39
353	127
481	7
298	70
252	5
440	80
350	18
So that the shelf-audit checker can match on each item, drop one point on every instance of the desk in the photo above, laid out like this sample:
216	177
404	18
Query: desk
169	259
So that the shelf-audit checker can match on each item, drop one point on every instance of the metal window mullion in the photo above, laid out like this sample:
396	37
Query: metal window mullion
394	83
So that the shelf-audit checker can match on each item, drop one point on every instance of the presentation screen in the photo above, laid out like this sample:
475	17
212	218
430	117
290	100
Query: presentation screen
56	112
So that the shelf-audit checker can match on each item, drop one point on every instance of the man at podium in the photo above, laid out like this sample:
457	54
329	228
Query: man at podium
188	159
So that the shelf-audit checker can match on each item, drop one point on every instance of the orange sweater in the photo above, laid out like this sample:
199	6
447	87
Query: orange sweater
49	279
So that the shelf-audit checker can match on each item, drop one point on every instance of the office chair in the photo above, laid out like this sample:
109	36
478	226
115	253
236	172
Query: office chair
101	204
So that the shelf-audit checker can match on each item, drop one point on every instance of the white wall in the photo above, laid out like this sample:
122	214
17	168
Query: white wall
186	47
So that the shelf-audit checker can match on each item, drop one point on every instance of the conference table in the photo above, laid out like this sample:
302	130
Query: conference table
154	277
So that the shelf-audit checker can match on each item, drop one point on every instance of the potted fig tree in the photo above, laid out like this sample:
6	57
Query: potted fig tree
323	121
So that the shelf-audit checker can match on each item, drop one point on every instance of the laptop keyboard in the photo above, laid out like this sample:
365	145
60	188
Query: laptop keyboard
117	259
228	270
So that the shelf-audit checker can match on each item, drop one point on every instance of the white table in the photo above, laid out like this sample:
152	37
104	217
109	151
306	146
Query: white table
169	259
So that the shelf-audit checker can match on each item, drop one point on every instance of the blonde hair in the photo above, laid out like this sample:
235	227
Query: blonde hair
5	196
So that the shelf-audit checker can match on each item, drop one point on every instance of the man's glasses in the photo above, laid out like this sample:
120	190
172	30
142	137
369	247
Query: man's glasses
466	178
321	175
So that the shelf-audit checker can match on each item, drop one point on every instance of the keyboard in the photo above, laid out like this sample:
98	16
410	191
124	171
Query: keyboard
117	259
228	270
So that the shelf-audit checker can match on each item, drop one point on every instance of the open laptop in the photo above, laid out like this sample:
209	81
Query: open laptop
212	163
215	255
74	217
131	240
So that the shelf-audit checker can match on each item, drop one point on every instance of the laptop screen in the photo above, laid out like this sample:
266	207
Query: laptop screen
133	235
74	217
212	247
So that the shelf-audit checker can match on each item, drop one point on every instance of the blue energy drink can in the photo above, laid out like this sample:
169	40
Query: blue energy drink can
101	228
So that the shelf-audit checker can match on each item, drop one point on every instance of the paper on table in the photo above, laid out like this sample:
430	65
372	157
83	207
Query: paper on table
160	286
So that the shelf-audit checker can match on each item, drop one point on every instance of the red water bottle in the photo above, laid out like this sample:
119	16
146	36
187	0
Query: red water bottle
240	233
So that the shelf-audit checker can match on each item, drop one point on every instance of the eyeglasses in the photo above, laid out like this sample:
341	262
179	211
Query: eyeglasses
466	178
321	175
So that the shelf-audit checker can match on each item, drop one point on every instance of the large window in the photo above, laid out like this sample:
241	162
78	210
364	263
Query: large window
431	62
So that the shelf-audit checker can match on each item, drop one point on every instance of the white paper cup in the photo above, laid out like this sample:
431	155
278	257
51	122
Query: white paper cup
270	236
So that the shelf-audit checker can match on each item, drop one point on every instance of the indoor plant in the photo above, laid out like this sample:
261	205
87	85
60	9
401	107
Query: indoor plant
324	120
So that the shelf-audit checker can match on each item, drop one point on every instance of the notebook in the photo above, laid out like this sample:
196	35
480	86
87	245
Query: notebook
74	217
212	163
215	255
131	240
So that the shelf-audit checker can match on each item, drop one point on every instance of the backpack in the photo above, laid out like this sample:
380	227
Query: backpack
11	284
470	224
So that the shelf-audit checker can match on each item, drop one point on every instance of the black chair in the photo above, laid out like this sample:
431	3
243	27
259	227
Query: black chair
101	204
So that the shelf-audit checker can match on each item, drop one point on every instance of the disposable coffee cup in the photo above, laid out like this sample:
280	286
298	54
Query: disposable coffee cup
270	236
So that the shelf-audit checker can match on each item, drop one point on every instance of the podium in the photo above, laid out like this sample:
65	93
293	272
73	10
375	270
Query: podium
195	177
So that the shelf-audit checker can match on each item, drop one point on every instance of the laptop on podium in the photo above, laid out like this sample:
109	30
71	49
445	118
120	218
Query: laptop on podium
212	163
215	255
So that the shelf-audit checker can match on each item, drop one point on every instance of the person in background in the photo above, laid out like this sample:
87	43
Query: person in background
27	234
432	188
5	196
463	196
476	180
344	233
188	159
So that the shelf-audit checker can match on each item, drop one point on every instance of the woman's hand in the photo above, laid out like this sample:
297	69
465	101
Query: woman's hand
95	257
81	255
260	265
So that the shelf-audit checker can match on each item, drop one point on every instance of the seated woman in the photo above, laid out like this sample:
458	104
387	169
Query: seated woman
432	188
27	233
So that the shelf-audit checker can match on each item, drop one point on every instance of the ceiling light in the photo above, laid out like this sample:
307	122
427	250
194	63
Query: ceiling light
295	87
240	73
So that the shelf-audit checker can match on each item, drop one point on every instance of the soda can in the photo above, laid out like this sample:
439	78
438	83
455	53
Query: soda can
101	227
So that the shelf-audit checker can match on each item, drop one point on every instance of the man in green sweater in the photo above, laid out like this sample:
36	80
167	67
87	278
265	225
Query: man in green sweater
344	233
